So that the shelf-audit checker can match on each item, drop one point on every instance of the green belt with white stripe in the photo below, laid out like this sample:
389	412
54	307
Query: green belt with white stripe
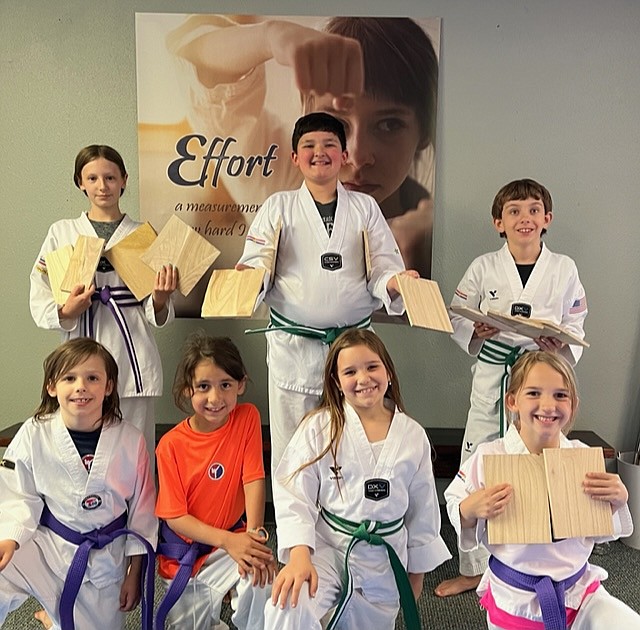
498	353
374	533
325	335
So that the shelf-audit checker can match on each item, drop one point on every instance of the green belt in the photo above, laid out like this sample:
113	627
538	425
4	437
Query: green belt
374	533
498	353
325	335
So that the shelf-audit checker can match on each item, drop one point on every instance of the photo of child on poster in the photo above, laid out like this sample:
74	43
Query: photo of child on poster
218	96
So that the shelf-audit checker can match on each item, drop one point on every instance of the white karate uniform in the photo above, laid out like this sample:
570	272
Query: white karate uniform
304	292
140	367
559	560
492	282
200	603
405	462
48	469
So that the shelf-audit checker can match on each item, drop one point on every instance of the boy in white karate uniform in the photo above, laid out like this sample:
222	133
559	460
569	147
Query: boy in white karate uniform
320	285
522	278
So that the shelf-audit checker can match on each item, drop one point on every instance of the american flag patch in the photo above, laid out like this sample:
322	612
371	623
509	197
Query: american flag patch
461	476
254	239
578	306
460	294
41	265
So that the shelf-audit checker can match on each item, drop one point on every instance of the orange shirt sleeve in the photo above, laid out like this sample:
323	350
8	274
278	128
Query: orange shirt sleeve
253	461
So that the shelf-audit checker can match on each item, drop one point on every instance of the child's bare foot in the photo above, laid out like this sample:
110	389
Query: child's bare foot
457	585
43	618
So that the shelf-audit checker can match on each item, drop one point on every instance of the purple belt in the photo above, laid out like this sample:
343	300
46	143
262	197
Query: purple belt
97	539
115	299
550	593
176	548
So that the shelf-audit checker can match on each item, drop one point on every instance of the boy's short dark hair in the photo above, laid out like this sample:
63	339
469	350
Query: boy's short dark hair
520	189
318	121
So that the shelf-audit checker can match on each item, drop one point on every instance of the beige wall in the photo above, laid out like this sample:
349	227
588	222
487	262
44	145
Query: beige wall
543	89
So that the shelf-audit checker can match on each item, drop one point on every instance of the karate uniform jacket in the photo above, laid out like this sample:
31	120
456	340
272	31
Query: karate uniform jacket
405	463
48	469
140	367
311	292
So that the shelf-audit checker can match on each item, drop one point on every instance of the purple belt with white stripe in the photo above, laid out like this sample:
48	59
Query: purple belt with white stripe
97	539
115	299
550	593
176	548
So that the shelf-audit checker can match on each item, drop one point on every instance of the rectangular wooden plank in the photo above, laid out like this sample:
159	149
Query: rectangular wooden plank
125	258
424	304
180	245
367	255
526	518
574	514
57	264
538	328
83	263
274	254
232	293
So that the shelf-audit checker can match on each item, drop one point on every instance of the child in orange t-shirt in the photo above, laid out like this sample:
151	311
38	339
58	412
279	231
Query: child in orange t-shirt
210	472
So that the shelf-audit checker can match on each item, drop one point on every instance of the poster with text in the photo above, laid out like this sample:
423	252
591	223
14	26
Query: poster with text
218	96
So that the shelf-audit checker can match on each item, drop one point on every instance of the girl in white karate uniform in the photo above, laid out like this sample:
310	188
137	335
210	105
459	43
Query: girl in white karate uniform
356	505
76	465
542	396
107	310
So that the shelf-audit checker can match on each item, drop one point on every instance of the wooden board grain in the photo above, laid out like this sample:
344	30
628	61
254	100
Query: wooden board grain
57	264
232	293
573	513
180	245
424	304
125	258
526	518
83	263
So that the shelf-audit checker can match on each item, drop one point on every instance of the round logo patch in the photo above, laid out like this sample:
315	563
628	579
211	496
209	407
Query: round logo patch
91	502
216	471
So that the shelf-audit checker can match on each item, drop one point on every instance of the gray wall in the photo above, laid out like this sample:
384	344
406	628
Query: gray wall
544	89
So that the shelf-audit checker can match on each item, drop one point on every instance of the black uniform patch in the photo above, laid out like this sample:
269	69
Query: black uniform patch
524	310
91	502
331	262
376	489
8	464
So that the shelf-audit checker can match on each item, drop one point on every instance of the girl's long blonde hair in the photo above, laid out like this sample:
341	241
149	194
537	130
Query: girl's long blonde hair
332	398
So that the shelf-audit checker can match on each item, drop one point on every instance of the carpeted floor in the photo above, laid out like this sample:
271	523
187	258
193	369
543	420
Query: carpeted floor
456	613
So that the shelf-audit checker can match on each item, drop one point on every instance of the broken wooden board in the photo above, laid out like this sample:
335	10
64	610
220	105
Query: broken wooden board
574	514
57	265
526	518
423	303
83	262
274	259
538	328
232	293
367	255
125	258
526	327
180	245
